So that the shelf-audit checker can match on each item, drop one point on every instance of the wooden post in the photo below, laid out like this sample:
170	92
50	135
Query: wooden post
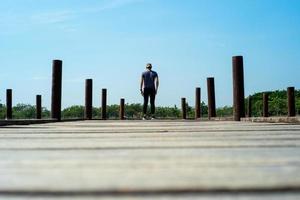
291	101
249	106
56	89
198	103
88	111
104	104
238	88
9	104
183	108
265	105
122	109
211	97
38	106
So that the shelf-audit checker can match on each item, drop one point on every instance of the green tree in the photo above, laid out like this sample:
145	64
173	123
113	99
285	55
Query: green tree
2	111
24	111
113	111
133	110
73	112
225	111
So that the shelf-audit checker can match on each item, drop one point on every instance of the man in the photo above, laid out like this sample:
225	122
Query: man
149	87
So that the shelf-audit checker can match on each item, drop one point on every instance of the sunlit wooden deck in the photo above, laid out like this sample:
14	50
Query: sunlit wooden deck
150	160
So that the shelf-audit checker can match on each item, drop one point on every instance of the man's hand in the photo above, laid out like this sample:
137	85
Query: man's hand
142	92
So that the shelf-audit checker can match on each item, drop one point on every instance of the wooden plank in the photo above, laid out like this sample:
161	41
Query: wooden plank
166	197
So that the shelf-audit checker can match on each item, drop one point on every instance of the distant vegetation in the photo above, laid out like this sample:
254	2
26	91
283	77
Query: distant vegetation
277	107
277	103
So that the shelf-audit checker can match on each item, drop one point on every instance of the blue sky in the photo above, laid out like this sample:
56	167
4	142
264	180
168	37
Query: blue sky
112	40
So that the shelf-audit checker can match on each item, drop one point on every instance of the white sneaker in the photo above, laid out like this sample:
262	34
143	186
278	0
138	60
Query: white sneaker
144	118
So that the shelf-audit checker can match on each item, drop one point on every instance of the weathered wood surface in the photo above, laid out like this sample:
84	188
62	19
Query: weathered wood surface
24	122
282	119
150	160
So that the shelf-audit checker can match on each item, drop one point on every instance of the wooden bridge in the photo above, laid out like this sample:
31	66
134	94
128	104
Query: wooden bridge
150	160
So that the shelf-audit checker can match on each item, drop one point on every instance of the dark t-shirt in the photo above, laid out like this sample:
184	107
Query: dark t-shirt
149	78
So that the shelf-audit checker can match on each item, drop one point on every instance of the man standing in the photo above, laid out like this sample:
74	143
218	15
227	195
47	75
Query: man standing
149	87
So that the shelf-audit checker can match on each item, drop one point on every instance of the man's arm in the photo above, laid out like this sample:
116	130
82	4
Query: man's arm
156	84
141	85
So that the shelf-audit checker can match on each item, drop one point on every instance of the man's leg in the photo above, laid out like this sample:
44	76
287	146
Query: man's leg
146	98
152	102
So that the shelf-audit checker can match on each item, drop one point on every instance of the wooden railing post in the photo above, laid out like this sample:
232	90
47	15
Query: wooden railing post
198	103
211	97
122	109
238	88
9	104
291	102
104	104
56	89
183	108
38	106
265	105
249	106
88	111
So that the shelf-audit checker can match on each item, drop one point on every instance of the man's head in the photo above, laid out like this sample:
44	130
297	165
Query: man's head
149	66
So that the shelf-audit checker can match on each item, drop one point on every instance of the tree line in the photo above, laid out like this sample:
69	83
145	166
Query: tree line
277	103
132	111
277	107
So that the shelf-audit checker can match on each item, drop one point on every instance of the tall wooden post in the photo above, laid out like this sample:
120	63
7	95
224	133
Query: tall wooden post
291	102
38	106
104	104
122	109
9	104
238	88
183	108
265	105
211	97
88	111
249	106
198	103
56	89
